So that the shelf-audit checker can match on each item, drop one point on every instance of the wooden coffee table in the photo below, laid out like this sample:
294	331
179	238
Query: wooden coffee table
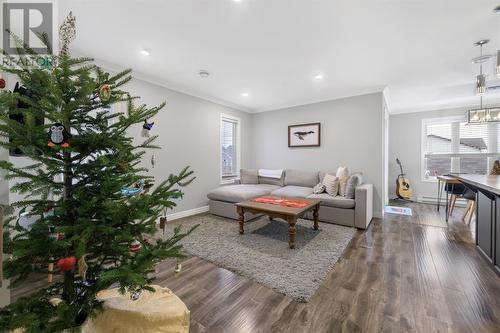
289	214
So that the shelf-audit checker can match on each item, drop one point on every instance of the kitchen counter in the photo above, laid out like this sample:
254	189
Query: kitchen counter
485	182
487	190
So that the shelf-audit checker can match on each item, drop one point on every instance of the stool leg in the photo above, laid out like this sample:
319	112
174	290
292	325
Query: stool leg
453	199
473	212
467	208
454	202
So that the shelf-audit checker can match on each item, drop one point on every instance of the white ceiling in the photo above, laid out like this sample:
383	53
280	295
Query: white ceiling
420	49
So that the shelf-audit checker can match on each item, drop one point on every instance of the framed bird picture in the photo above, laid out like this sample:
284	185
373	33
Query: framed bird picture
304	135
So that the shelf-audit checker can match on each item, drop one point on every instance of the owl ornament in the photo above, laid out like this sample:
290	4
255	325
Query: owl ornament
146	127
58	136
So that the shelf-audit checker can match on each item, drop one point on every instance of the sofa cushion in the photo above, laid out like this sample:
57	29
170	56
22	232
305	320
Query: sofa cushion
293	191
328	200
343	174
301	178
322	174
271	180
240	192
353	181
248	176
331	184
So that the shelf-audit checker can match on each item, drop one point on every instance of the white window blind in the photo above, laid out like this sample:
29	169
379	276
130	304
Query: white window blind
452	145
229	147
439	138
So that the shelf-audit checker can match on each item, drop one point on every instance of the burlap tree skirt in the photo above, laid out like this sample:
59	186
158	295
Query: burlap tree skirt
161	311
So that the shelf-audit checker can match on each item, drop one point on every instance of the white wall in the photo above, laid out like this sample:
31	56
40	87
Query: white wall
189	134
405	142
351	135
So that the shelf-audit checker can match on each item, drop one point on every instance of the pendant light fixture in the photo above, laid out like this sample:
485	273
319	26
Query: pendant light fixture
482	115
481	78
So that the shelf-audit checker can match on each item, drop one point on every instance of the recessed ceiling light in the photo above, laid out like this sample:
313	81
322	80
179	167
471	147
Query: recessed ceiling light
318	77
237	0
203	73
245	94
145	52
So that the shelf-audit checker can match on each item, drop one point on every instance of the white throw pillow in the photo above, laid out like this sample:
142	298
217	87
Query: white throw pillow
343	175
331	184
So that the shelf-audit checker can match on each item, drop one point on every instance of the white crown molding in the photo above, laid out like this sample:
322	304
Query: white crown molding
361	92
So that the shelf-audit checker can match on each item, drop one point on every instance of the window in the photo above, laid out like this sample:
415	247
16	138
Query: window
452	145
230	148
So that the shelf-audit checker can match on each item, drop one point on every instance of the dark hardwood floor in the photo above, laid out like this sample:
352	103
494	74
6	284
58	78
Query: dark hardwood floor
404	274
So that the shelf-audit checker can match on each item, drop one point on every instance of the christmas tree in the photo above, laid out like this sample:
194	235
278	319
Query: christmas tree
95	218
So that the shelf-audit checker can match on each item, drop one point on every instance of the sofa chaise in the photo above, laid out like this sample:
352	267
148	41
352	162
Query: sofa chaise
357	212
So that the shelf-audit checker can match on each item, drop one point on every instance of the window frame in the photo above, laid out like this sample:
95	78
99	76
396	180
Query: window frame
423	144
228	179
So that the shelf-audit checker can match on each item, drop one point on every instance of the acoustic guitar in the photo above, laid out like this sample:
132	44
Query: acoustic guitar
403	187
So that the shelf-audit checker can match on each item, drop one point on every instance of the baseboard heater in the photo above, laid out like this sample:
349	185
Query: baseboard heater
433	200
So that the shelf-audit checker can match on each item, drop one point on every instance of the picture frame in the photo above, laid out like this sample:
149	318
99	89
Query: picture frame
304	135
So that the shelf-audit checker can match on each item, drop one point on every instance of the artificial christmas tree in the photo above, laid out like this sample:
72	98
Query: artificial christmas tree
87	230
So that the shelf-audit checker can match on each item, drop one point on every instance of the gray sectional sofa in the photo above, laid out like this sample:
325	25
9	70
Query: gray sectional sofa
357	212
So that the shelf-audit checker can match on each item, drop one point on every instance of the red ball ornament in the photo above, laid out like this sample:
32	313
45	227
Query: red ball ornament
66	264
135	246
2	83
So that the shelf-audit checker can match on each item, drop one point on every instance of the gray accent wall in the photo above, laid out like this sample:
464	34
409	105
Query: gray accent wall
351	135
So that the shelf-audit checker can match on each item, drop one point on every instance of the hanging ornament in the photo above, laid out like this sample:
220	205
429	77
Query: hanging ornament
105	92
163	223
178	267
153	160
147	240
50	277
82	267
134	296
147	186
67	33
66	264
56	235
58	136
55	301
135	246
52	232
130	191
146	127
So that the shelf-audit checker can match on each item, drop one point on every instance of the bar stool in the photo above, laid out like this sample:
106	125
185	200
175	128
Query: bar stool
455	190
465	193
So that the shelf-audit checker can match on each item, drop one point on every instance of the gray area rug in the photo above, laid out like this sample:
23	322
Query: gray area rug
262	253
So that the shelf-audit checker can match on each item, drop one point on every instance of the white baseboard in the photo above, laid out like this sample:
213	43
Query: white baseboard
186	213
378	215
